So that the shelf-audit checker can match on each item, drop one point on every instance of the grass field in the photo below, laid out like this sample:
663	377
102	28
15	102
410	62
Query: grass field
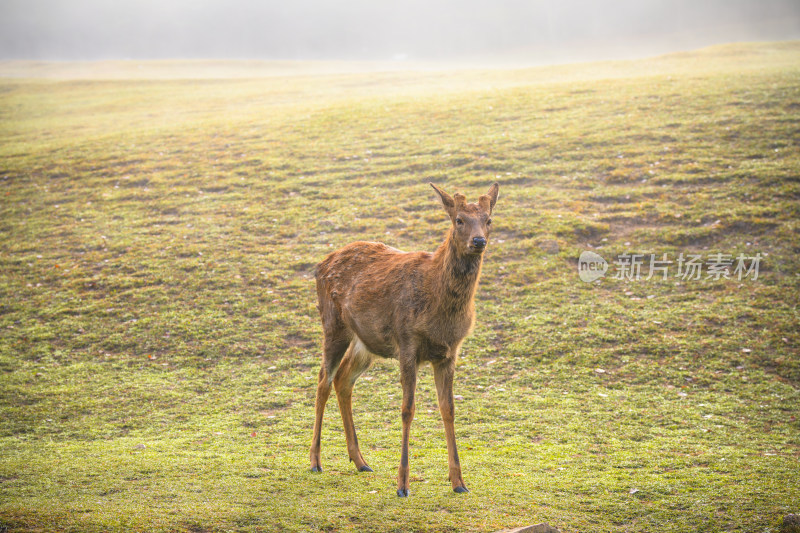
160	341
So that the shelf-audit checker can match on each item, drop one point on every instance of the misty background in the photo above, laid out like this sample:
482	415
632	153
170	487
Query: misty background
532	31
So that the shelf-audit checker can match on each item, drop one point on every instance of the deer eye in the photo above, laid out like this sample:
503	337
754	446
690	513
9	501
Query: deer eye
489	222
459	221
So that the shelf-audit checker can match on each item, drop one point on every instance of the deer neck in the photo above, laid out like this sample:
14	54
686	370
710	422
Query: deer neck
456	275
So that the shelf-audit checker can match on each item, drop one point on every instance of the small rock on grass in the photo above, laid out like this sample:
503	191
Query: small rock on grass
538	528
550	247
791	524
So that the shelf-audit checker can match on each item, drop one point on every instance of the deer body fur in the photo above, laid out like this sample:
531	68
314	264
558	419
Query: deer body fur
416	307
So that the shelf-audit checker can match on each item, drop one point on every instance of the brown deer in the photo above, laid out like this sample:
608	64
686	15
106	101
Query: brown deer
416	307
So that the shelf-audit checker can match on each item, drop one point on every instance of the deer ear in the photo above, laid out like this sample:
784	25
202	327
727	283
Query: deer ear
488	200
447	200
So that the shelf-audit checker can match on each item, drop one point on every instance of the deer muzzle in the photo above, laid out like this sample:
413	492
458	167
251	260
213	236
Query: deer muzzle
478	243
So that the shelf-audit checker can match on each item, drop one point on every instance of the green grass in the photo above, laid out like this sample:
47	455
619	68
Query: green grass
160	341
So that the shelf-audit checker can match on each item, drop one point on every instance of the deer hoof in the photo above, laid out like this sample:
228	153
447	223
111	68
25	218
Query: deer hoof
403	493
365	468
316	469
461	489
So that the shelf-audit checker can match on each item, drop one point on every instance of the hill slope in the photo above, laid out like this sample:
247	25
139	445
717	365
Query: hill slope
160	339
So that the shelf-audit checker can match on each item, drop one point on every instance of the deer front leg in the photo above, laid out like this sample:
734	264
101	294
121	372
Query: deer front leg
443	376
408	378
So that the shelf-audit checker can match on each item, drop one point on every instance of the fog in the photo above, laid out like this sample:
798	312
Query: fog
531	31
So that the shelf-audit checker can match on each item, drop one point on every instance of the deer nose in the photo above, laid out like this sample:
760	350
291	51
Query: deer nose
479	242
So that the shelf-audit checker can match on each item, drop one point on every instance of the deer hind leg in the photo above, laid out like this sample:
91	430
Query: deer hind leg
334	348
355	362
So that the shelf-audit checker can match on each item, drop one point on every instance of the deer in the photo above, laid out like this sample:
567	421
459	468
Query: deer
416	307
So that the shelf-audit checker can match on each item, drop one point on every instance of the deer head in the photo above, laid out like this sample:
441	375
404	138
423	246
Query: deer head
471	222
